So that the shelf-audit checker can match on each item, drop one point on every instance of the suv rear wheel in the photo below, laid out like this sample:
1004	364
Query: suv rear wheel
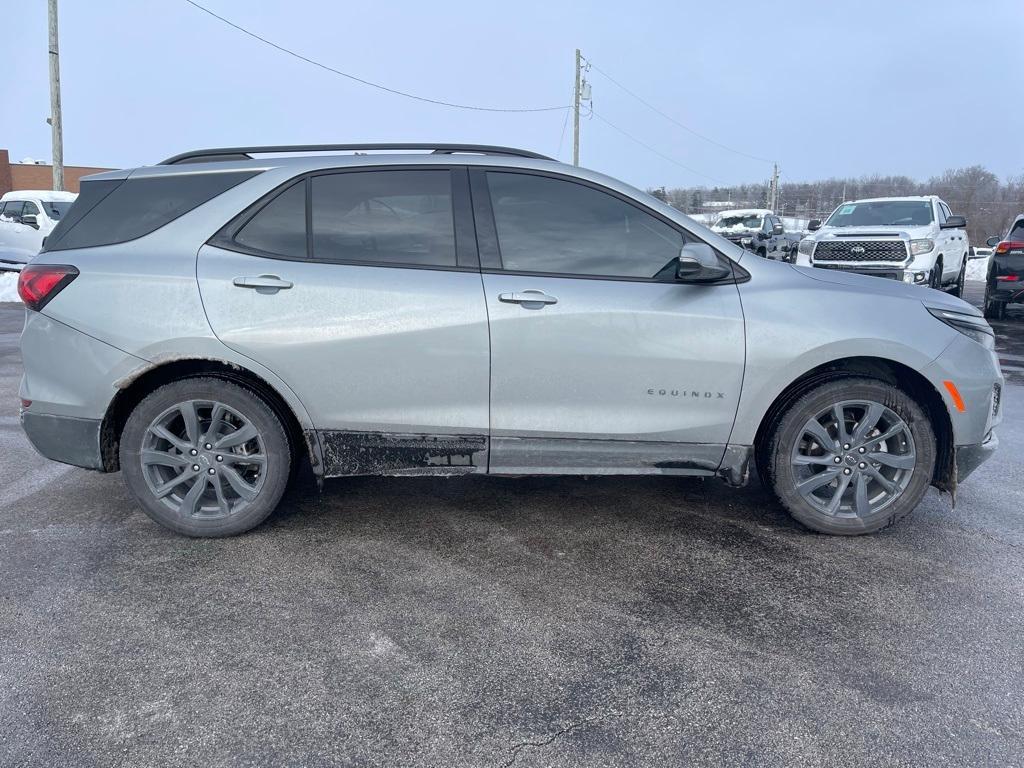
851	456
205	457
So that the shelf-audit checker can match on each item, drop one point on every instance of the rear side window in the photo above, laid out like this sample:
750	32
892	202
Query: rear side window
1017	232
279	227
557	226
119	211
384	217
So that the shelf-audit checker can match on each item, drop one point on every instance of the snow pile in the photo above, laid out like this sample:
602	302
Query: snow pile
9	286
977	269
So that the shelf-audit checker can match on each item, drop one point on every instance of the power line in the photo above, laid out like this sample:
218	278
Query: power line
671	119
561	138
652	149
378	86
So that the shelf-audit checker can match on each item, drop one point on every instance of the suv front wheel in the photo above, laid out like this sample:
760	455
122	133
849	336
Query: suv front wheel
851	456
205	457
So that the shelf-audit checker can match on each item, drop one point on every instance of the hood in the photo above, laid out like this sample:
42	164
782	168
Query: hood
852	233
867	284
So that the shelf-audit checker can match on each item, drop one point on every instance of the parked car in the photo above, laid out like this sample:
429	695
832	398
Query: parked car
26	217
981	253
911	239
1004	283
206	324
758	230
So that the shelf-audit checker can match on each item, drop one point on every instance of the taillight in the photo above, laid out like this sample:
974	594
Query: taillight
1008	278
1009	245
38	283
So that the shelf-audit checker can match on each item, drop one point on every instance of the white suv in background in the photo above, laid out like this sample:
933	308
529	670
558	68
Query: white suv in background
911	239
26	217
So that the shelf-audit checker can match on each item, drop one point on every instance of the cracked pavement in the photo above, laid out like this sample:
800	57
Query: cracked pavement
491	621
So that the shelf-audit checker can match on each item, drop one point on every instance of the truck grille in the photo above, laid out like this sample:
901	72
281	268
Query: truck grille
861	250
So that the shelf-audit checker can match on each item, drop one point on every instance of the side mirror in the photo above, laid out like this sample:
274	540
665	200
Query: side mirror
955	222
30	220
777	229
992	242
698	263
814	225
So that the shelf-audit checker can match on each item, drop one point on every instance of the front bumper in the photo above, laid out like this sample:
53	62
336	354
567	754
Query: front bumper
66	439
914	277
970	457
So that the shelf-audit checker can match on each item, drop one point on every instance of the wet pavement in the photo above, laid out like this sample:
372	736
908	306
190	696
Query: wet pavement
493	622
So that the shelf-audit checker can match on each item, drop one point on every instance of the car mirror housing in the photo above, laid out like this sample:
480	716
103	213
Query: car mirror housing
698	263
954	222
992	242
777	229
814	225
30	220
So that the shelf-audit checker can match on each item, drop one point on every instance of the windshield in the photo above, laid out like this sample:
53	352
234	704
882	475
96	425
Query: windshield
56	209
891	213
751	221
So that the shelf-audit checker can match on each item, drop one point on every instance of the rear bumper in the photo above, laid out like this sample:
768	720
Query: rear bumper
66	439
970	457
1007	295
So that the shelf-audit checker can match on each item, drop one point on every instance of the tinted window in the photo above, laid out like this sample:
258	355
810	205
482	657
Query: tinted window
387	217
12	210
56	209
1017	232
30	208
279	226
136	207
551	225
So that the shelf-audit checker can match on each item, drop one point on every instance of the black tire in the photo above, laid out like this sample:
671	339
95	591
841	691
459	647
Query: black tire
263	482
935	278
789	437
995	310
762	253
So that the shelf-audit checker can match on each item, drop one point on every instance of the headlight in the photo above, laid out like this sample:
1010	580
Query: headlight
917	247
746	240
806	247
969	325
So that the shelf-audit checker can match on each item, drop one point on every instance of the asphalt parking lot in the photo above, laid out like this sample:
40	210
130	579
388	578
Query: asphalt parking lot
493	622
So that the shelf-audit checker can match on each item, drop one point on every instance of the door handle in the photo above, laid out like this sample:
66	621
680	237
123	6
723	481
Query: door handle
527	297
262	283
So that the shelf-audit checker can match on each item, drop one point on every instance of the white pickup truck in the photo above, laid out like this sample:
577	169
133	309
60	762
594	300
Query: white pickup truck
913	239
26	217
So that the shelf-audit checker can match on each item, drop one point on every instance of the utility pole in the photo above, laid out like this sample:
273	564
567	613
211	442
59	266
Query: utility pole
56	129
575	112
774	188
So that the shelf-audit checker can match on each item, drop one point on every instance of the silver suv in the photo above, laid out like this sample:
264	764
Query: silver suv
207	324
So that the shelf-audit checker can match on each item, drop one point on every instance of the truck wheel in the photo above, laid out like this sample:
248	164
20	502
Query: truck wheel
851	456
935	278
205	457
762	253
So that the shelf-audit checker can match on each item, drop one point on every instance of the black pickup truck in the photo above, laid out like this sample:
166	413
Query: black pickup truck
760	231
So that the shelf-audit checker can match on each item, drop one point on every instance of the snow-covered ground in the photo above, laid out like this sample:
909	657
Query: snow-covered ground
977	269
9	286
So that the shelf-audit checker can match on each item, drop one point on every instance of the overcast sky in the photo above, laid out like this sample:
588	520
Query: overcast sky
826	88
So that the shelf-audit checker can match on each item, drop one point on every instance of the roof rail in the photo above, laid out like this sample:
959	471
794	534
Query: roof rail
245	153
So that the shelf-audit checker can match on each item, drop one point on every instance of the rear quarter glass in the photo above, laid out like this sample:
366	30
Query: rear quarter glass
113	211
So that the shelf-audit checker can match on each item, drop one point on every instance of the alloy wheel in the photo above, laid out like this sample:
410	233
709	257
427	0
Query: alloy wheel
203	459
853	459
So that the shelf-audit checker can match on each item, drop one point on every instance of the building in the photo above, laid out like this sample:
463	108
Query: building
37	175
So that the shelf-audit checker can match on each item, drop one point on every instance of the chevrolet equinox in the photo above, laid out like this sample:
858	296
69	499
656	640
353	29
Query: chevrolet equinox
206	324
